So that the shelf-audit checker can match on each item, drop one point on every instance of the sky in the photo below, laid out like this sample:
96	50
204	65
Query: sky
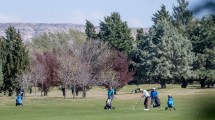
137	13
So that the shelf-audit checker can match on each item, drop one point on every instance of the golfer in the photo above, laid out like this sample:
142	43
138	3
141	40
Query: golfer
147	97
111	95
153	95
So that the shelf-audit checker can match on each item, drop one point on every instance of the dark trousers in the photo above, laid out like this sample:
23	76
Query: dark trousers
146	101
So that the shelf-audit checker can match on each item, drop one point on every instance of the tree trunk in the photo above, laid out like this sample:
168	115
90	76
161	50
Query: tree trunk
10	92
212	84
45	92
163	83
41	92
76	90
30	90
202	82
183	83
114	91
35	90
84	92
208	84
64	92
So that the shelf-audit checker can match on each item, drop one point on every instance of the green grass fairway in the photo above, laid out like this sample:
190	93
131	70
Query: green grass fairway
191	104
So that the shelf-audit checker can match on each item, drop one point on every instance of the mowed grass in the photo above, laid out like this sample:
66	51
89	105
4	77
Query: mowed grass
191	104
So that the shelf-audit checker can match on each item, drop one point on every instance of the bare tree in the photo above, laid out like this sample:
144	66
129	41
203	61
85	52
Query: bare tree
81	65
38	73
84	77
91	64
90	56
25	80
109	77
68	70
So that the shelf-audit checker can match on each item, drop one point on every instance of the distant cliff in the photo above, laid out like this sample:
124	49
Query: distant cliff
29	30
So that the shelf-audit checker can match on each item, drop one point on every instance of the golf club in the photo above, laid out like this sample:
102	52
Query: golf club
134	107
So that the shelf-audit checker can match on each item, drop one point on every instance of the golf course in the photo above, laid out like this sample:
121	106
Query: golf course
191	103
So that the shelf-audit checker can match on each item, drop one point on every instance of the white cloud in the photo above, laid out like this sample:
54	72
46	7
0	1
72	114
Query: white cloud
8	18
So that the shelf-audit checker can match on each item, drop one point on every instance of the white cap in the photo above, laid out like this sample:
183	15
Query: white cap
153	88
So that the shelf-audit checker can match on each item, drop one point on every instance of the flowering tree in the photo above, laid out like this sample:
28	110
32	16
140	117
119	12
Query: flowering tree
48	63
115	70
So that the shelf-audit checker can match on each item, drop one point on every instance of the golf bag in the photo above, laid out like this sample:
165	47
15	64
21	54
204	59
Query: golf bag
19	100
108	104
170	104
157	102
19	104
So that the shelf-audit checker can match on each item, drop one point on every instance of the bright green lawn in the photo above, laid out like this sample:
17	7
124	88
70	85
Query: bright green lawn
190	104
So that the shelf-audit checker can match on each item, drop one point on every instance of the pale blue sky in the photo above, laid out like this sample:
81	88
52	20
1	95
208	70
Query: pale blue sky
137	13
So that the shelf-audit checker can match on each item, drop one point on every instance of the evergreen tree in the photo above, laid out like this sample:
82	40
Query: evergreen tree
166	54
135	55
15	59
90	30
140	34
202	36
138	43
116	33
1	74
181	15
161	14
141	38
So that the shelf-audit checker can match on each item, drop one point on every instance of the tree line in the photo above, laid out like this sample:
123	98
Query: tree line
65	59
178	48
